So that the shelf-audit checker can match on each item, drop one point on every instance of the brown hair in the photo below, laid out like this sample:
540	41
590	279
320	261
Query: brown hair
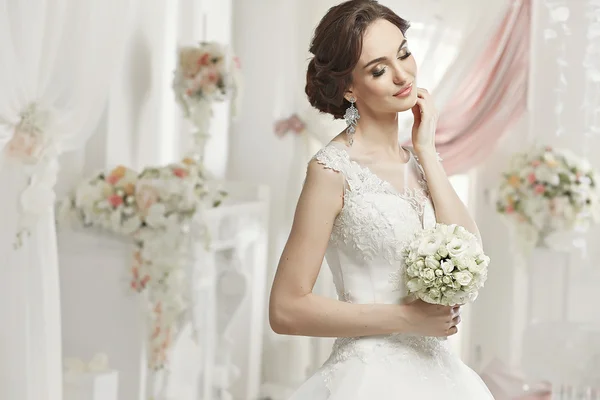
336	47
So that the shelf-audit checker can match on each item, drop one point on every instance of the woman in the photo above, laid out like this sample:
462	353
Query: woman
364	196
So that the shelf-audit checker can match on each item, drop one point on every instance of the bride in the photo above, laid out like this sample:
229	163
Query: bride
364	196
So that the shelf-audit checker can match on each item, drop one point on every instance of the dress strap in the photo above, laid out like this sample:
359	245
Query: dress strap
334	157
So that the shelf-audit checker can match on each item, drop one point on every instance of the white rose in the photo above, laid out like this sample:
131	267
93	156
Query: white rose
435	293
447	280
457	247
463	277
475	268
420	264
430	244
412	270
443	252
447	266
459	263
483	259
431	262
428	274
439	272
414	285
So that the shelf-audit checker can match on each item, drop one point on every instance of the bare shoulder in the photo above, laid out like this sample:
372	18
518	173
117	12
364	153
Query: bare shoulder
324	177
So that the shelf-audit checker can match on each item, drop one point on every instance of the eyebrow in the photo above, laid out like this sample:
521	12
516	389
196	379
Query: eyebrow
375	61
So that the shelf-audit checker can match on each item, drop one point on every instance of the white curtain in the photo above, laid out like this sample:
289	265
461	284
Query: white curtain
57	58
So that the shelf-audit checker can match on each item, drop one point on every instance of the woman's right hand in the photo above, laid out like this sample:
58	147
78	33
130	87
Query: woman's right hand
431	319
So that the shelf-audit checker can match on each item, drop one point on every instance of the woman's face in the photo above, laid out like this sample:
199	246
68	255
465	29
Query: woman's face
384	80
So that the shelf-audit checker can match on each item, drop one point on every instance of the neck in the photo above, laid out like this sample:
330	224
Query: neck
379	132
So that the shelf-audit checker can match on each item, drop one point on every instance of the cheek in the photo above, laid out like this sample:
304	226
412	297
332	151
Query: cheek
377	87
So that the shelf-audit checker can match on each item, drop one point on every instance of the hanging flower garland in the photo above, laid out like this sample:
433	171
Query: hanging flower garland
155	210
205	73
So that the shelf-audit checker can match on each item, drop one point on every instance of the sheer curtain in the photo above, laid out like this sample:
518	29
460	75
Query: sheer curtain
57	58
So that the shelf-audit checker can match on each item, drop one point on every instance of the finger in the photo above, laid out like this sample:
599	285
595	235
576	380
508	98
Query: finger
452	331
456	320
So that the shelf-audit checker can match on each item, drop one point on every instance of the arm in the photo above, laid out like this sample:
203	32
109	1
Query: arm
449	208
295	310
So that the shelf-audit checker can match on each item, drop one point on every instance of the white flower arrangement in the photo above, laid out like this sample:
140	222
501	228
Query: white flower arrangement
154	209
32	145
443	265
548	190
205	73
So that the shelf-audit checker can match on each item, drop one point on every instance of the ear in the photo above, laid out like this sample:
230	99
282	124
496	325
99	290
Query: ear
350	95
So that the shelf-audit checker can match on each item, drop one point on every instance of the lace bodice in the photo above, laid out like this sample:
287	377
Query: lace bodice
374	224
364	255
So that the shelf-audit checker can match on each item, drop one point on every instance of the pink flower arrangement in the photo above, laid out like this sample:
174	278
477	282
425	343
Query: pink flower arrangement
204	72
549	190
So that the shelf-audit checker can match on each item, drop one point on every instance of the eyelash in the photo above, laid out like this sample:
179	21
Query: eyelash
377	74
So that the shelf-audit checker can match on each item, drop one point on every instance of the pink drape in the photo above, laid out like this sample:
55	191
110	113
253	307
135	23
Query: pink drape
491	98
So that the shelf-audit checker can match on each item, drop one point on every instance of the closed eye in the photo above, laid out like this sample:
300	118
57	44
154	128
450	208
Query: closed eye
403	54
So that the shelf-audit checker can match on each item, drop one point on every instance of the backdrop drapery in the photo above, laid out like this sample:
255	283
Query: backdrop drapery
57	61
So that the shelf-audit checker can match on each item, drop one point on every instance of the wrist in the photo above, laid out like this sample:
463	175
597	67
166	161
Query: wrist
425	151
400	317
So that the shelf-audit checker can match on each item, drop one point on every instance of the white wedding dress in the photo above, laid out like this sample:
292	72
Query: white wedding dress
363	254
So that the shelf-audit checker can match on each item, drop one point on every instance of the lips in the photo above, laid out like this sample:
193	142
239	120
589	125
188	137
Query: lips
405	91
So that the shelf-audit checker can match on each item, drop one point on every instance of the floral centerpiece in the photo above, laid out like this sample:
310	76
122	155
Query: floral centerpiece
443	265
205	73
548	190
155	209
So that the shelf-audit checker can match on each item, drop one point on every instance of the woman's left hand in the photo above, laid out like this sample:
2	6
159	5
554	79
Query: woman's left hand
426	117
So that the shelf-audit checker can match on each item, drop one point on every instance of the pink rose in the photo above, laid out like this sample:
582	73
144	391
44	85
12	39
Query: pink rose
531	178
180	172
510	209
25	146
539	189
204	59
536	163
145	196
115	200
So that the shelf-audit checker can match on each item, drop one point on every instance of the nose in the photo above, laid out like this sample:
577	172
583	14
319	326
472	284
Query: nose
401	76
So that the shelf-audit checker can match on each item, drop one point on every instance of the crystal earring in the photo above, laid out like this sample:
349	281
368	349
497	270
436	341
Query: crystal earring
351	118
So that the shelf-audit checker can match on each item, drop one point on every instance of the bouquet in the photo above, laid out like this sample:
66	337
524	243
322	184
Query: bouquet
549	190
444	265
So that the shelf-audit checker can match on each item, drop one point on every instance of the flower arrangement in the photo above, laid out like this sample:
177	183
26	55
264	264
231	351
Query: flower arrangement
444	265
547	190
155	209
205	74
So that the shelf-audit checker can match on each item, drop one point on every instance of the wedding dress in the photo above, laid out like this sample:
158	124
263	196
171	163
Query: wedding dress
363	253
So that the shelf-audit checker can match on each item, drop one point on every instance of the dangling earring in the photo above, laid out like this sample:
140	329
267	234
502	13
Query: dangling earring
351	118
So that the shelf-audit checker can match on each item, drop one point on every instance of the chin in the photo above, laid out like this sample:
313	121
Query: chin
406	105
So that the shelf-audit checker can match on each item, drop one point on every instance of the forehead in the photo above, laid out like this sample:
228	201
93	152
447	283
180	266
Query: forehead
381	39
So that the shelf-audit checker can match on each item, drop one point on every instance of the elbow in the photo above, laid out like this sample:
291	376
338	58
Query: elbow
281	318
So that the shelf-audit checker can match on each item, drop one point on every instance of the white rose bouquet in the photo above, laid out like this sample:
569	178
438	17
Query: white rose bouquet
444	265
